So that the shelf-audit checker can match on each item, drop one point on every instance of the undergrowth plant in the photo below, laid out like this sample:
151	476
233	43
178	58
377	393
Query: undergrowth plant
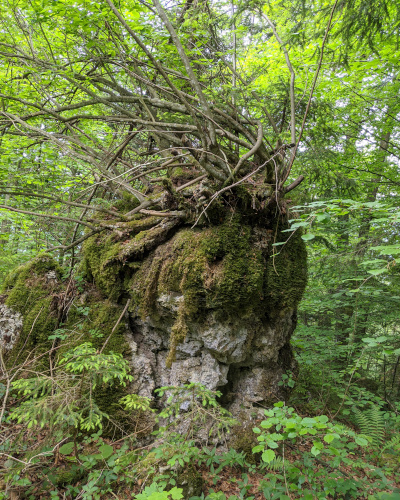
297	457
66	398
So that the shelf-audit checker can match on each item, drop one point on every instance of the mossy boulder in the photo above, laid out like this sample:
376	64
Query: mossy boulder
52	316
31	290
223	269
215	305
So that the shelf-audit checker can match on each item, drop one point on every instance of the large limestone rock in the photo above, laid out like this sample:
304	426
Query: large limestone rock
214	305
10	326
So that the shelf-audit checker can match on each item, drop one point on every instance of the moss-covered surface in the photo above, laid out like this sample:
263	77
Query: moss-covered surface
34	290
226	268
229	266
243	439
191	481
97	251
105	255
92	318
30	290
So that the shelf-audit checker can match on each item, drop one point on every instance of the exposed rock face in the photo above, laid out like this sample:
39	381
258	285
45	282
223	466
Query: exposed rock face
10	327
244	358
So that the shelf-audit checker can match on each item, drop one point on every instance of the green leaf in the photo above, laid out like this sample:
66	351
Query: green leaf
268	456
106	451
66	448
361	441
376	272
324	217
176	493
315	451
308	237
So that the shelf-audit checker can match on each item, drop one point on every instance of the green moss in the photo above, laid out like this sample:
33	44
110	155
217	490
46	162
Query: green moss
244	440
33	269
33	290
30	290
179	331
105	255
127	203
191	481
98	251
140	224
286	273
216	268
67	476
93	321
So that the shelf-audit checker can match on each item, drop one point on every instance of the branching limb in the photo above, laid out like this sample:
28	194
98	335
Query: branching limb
250	153
292	79
47	216
291	161
193	79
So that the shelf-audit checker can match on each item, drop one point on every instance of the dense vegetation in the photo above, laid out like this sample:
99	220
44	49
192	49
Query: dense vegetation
120	123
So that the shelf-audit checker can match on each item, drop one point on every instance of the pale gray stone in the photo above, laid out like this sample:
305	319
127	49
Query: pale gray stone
243	357
10	327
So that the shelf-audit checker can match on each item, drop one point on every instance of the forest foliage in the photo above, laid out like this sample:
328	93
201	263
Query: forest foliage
113	110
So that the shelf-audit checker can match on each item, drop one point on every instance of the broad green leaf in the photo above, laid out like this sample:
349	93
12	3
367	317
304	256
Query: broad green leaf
66	448
268	456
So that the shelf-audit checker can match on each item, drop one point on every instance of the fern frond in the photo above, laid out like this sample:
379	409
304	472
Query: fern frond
361	421
393	443
277	464
371	423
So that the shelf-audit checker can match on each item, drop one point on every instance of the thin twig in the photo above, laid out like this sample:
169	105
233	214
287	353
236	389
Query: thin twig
116	325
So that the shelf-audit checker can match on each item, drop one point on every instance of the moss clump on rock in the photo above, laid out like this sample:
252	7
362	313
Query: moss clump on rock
30	290
244	440
214	268
108	257
286	272
92	318
191	482
98	250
